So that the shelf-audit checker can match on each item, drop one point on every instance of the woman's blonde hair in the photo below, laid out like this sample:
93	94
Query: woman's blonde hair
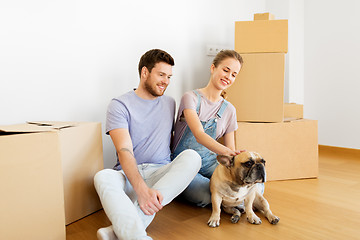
225	54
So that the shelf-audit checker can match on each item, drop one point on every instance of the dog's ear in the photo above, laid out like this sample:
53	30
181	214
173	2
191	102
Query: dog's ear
227	161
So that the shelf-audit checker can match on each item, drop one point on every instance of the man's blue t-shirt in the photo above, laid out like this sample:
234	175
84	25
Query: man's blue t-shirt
149	122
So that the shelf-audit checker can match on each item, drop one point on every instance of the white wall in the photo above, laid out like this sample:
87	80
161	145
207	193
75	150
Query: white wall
332	76
65	60
322	65
294	59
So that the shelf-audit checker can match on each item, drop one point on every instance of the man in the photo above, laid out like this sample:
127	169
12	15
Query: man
140	124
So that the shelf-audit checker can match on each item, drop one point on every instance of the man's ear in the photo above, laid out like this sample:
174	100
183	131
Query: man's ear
227	161
144	72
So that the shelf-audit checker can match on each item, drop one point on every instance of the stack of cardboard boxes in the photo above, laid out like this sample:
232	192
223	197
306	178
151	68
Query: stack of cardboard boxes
276	130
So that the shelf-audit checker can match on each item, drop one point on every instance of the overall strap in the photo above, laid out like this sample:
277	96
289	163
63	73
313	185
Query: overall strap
222	108
198	102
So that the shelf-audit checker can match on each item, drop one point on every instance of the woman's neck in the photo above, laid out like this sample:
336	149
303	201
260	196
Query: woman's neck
211	93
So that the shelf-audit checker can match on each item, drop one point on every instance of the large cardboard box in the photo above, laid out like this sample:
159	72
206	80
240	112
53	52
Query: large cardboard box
290	149
31	183
258	91
65	157
265	36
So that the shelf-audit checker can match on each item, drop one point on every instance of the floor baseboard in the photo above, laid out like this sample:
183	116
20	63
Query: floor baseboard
340	150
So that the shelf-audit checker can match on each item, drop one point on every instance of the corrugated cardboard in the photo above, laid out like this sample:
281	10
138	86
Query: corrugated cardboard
258	91
264	16
79	155
32	196
290	149
266	36
82	158
293	111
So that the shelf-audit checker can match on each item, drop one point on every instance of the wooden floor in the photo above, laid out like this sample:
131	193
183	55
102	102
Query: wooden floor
324	208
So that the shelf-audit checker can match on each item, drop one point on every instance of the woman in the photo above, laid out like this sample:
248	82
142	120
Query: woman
204	116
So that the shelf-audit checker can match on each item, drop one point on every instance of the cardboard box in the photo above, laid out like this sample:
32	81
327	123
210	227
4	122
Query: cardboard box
264	16
258	91
74	148
82	158
290	149
293	111
266	36
32	199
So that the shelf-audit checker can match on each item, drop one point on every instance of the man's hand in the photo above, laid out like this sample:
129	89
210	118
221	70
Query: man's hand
149	200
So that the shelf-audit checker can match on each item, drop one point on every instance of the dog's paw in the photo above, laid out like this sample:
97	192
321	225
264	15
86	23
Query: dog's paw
273	219
235	218
214	222
241	208
254	219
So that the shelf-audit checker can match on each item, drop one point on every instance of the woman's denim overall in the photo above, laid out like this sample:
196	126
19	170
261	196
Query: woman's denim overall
199	190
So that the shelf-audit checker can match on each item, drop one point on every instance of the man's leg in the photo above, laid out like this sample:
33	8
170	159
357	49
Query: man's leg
171	179
119	208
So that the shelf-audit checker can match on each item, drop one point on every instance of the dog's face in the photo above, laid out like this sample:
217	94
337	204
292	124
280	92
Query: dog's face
245	168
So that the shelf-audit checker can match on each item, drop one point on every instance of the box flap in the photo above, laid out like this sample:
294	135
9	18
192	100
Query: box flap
52	124
22	128
36	126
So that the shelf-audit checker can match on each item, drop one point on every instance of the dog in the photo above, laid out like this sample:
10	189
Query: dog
233	182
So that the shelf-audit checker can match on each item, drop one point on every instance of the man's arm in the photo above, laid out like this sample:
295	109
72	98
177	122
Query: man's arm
148	199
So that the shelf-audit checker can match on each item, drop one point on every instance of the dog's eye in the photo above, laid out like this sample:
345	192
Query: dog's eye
248	164
263	161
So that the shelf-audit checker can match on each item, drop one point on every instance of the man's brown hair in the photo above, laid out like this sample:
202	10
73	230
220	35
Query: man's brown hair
154	56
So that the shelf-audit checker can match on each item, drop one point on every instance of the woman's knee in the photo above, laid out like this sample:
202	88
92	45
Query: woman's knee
198	191
200	198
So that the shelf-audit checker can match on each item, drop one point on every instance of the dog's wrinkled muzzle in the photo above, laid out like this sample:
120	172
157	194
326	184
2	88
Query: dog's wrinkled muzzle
256	174
261	172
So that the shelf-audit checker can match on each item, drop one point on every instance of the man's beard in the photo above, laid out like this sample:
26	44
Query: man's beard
151	89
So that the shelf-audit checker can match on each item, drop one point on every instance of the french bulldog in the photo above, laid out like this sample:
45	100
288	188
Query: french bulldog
233	182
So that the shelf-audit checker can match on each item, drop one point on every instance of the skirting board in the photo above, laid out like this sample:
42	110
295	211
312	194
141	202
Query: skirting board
340	150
